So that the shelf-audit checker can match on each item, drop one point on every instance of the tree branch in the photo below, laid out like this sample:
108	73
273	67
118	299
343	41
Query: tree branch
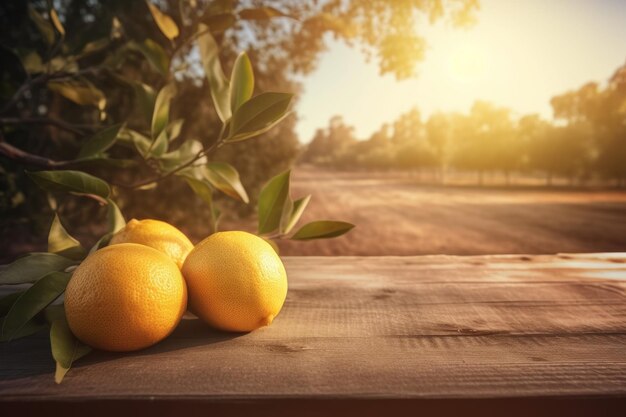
17	154
168	174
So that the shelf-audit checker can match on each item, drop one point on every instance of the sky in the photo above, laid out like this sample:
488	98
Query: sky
519	54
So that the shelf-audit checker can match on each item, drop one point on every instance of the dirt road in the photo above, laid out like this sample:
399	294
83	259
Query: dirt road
396	216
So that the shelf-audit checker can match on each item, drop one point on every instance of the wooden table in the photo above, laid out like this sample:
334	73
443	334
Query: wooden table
438	335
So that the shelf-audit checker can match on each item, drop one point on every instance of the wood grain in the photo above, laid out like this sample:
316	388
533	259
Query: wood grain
376	334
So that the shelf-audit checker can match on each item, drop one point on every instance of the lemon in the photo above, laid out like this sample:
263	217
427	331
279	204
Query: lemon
236	281
157	234
125	297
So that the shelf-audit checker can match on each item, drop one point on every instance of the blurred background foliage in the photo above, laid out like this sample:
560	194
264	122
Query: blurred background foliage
117	55
585	143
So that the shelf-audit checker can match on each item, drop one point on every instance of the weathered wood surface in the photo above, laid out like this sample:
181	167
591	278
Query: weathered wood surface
534	334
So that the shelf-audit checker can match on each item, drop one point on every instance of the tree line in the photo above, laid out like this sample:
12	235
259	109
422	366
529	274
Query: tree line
585	140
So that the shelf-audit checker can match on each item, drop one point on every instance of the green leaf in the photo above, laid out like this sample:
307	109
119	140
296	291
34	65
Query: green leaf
80	92
261	13
271	202
296	212
154	53
322	229
218	23
161	113
165	23
34	300
174	128
32	326
100	141
225	178
185	153
64	64
203	190
32	267
93	47
150	186
117	30
102	242
285	214
32	62
44	27
7	301
115	218
61	243
209	54
258	115
218	6
54	17
241	82
70	181
66	348
137	140
142	143
145	97
53	312
160	145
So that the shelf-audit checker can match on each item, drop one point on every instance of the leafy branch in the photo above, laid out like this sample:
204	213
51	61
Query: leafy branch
201	154
243	116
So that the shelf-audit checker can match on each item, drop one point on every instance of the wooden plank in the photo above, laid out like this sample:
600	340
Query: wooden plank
476	330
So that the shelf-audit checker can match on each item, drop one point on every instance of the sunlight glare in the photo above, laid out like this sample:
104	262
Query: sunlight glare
467	64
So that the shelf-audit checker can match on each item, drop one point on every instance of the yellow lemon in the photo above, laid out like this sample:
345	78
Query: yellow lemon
157	234
236	281
125	297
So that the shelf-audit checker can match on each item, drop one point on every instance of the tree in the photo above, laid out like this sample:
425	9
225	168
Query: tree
611	128
284	40
439	134
408	139
331	146
601	113
317	148
377	152
384	30
485	145
532	132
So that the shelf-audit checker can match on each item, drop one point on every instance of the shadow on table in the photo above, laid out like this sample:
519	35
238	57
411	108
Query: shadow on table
190	333
31	356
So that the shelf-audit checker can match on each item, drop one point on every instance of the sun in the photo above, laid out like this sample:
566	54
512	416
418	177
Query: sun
467	63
